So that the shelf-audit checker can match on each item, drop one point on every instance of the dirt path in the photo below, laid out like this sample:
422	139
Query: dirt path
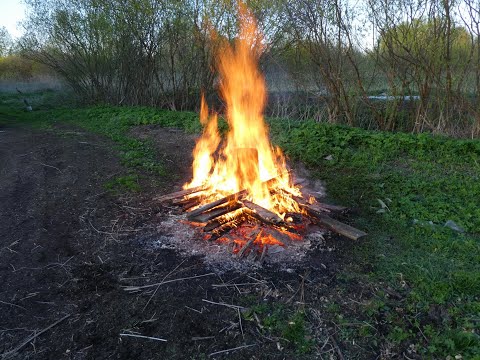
69	250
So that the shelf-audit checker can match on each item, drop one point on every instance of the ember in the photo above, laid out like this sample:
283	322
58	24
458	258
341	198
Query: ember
241	191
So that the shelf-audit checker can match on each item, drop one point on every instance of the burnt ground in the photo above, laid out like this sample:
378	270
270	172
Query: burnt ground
69	250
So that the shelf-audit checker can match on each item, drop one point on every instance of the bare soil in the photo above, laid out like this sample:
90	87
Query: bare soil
71	251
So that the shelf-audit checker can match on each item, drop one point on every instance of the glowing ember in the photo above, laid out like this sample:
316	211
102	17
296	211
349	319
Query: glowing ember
245	159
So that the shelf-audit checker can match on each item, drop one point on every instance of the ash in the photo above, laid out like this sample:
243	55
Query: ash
174	233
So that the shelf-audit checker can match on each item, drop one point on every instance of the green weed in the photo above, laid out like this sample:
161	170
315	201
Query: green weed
122	184
279	321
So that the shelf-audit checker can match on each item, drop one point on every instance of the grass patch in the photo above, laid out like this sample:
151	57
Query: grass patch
121	184
279	321
424	181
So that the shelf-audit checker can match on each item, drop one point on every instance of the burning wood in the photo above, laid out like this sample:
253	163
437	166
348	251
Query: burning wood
243	250
225	228
179	194
215	223
216	212
261	213
233	197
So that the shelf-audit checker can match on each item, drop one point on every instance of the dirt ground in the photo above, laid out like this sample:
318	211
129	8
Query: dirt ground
74	258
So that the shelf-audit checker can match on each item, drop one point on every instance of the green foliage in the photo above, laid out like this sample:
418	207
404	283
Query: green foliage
277	320
425	41
14	67
421	178
122	184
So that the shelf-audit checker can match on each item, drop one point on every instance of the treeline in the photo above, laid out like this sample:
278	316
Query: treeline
411	65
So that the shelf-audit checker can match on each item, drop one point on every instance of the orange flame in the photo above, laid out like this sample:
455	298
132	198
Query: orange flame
246	159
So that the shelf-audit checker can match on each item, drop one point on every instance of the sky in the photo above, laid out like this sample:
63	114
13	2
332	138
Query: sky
11	12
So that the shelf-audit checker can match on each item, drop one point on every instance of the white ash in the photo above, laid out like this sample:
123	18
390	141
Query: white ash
188	240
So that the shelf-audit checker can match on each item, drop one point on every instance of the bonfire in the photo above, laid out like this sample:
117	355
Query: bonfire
242	191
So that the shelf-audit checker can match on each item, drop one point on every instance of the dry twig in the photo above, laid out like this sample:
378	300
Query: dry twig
12	352
223	304
143	337
232	349
136	288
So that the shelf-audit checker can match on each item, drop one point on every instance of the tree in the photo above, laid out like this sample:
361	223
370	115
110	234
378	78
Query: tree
5	41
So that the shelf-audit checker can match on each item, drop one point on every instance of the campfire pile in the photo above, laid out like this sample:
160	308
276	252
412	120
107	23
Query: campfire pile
252	229
241	190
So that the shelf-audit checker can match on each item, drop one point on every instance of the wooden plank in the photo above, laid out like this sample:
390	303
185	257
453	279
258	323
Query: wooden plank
219	211
262	214
236	196
193	214
335	225
318	202
178	194
225	228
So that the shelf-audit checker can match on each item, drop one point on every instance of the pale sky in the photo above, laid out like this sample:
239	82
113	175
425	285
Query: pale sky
11	12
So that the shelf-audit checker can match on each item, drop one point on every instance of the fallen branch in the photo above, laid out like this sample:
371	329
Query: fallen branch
144	337
51	166
337	348
11	304
232	349
136	288
224	304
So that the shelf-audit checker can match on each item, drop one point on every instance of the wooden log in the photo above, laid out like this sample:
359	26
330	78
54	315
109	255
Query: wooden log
184	200
236	196
317	202
335	225
189	204
242	251
219	211
318	206
178	194
215	223
194	213
264	252
261	213
225	228
249	243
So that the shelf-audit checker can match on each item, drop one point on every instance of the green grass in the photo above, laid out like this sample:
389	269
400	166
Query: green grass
121	184
420	178
279	321
399	182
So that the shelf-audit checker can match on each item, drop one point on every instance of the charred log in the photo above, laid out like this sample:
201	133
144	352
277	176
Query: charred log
335	225
262	214
216	212
228	226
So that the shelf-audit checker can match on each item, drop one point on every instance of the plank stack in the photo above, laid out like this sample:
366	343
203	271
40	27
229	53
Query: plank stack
229	213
